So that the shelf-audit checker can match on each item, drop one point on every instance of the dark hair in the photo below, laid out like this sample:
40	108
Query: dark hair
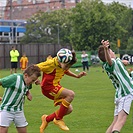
74	59
101	53
33	69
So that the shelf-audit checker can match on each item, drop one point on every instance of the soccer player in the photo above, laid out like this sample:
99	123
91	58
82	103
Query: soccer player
23	62
16	87
49	56
53	71
14	54
122	82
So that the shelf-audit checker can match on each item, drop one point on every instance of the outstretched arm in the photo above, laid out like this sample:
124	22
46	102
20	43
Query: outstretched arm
69	73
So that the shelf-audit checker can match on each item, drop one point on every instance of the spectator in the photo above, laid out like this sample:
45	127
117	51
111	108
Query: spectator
23	62
14	54
84	60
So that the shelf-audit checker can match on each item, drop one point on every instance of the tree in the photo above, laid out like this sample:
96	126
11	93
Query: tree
94	21
43	27
83	26
123	23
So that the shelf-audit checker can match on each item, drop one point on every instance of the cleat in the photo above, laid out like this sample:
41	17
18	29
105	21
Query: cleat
61	124
44	123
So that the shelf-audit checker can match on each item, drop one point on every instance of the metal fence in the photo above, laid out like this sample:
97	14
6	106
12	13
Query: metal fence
35	52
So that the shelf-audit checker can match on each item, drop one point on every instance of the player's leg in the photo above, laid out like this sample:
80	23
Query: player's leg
109	130
67	96
61	95
20	122
48	118
21	129
5	120
65	108
123	111
3	129
122	116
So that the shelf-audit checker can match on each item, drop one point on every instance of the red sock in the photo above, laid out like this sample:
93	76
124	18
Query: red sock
63	109
50	117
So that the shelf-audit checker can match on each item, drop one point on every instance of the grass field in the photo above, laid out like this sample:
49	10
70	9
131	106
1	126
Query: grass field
93	105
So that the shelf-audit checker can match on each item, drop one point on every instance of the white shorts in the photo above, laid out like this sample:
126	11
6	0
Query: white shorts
6	118
123	103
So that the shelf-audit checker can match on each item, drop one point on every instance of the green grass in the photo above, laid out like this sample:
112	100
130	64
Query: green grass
93	105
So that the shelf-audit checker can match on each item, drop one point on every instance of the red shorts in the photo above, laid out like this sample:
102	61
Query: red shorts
53	93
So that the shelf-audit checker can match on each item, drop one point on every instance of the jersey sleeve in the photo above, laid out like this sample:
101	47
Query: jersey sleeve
109	68
9	81
46	66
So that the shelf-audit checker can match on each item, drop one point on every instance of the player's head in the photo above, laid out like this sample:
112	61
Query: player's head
101	53
64	55
68	65
31	74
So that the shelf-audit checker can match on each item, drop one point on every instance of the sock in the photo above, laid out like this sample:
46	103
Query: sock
115	131
50	117
63	109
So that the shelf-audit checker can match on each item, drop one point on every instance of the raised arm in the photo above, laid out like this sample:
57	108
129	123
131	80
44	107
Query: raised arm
106	51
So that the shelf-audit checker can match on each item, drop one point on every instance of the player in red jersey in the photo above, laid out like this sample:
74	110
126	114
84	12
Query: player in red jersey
53	71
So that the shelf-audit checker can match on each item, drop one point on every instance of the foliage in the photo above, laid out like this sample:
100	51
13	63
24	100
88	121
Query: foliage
120	27
83	26
44	27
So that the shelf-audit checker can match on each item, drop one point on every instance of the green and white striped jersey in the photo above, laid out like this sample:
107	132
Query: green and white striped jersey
15	91
119	77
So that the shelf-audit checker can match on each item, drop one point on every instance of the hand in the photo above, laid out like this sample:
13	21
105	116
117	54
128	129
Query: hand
105	44
29	96
37	82
81	74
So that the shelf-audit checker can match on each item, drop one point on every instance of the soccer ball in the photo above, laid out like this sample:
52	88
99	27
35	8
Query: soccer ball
77	70
64	55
